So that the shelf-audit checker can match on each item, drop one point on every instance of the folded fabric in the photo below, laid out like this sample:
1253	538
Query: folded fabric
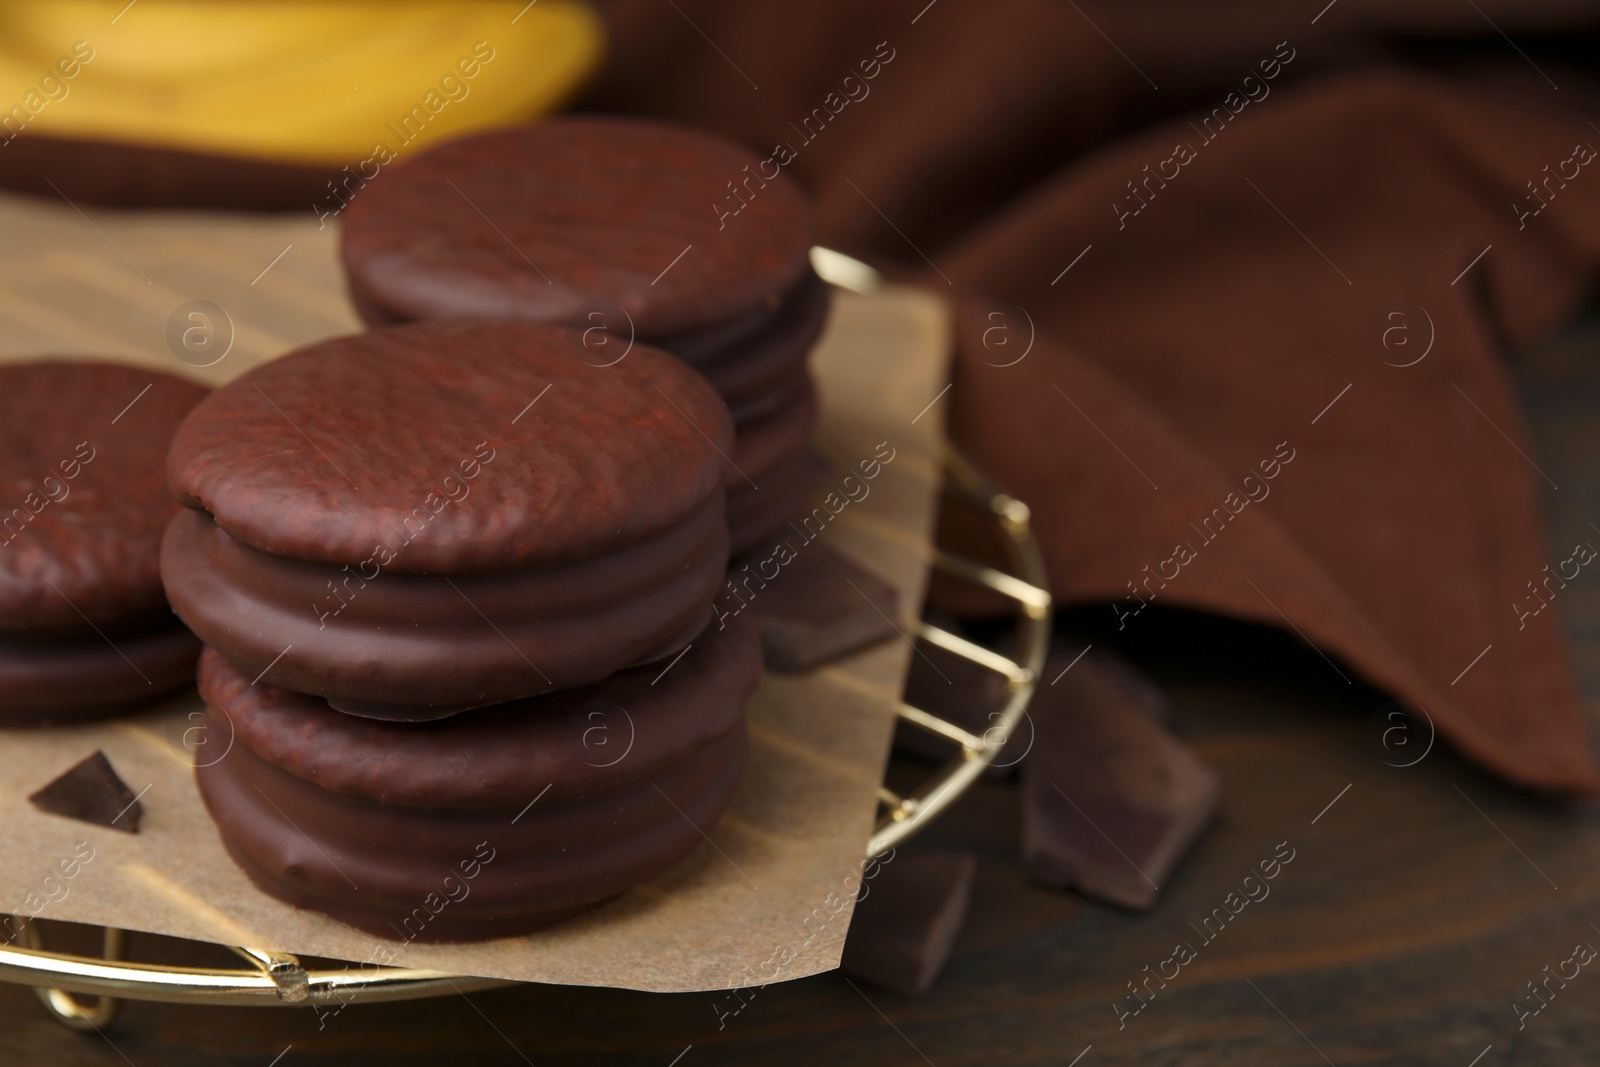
1264	369
912	121
1272	386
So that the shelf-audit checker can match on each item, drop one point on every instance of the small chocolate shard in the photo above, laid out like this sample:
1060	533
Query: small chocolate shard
1111	800
821	606
906	925
91	792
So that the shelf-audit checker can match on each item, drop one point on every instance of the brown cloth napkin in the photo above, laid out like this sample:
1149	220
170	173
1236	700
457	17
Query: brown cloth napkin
1224	402
1225	348
983	99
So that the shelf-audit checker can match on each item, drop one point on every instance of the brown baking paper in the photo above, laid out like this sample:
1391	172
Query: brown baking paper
767	897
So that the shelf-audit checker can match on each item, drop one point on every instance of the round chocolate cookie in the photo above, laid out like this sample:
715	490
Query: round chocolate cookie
756	368
84	625
772	471
419	646
550	222
64	681
82	472
756	361
443	515
488	824
632	230
761	517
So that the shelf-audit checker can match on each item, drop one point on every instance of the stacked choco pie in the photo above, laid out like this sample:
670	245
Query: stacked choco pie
455	583
630	231
84	625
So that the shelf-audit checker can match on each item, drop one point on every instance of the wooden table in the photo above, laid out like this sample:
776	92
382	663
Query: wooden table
1419	903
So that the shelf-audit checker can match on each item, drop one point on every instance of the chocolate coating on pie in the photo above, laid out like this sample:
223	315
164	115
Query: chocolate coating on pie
126	175
756	360
532	810
757	370
388	870
66	681
627	728
758	520
83	498
479	445
772	471
422	646
550	221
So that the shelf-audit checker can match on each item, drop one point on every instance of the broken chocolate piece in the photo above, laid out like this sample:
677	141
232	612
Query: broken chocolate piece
91	792
1140	691
906	923
1111	800
819	607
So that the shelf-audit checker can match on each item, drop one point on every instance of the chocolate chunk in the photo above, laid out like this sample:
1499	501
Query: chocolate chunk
820	606
907	922
91	792
1140	691
1111	800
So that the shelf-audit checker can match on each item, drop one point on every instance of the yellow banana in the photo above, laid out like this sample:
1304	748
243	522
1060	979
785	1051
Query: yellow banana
306	81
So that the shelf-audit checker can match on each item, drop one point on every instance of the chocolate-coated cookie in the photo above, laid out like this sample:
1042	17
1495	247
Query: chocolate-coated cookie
756	368
444	515
388	871
772	471
624	729
83	499
84	625
756	361
460	445
422	646
69	680
677	229
534	810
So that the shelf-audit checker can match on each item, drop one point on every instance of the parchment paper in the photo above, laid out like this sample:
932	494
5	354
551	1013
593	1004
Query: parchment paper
767	897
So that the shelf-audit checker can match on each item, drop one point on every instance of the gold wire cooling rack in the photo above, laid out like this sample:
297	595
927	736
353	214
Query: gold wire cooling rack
277	978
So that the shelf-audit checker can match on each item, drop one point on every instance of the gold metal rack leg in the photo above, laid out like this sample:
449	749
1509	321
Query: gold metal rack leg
68	1010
